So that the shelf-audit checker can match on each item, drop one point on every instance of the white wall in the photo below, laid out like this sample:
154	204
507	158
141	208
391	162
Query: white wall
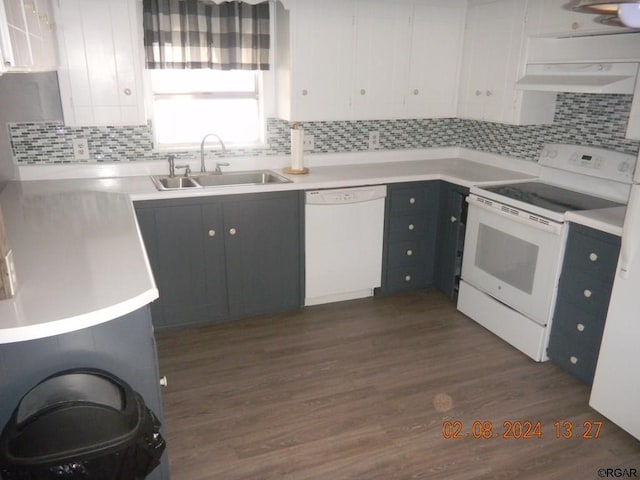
25	97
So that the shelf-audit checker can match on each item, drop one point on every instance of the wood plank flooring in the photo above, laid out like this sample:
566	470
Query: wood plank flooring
360	390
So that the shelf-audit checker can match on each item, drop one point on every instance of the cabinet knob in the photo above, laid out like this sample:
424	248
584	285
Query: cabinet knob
416	91
163	381
305	92
575	26
489	93
593	256
127	91
412	227
478	93
232	231
212	233
409	253
453	219
587	293
573	359
363	91
412	200
407	278
580	327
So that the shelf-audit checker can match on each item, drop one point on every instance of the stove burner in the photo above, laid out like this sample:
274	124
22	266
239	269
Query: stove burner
550	197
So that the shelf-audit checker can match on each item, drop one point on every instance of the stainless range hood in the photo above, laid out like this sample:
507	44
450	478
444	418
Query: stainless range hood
580	77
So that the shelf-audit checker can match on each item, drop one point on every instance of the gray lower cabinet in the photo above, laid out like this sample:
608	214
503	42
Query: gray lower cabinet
451	230
223	257
584	290
411	221
124	347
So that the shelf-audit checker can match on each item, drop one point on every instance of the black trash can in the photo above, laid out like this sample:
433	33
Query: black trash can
81	424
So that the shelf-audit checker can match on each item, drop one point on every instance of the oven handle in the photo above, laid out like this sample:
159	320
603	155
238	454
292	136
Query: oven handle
520	216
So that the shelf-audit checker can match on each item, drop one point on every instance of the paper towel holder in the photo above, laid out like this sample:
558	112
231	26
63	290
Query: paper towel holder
297	152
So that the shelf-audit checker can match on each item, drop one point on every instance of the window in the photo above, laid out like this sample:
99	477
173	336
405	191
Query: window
188	104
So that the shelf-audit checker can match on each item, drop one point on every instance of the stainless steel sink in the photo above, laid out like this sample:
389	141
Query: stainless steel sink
174	183
225	179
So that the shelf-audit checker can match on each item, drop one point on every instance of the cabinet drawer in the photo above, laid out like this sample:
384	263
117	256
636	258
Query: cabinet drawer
585	291
577	357
592	251
405	278
406	253
583	326
408	199
407	227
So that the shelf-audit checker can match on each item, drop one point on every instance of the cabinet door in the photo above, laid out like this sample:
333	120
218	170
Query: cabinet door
100	71
381	63
492	53
436	41
262	238
451	231
321	60
185	265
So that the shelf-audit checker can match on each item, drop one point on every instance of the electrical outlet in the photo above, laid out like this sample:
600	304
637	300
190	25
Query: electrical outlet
374	140
307	143
80	149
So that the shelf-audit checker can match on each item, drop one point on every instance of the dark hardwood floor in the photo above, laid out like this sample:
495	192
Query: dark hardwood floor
360	390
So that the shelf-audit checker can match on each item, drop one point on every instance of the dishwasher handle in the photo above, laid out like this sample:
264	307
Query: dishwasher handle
345	195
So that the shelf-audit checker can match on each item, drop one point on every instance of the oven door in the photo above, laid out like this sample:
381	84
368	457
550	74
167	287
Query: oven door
513	256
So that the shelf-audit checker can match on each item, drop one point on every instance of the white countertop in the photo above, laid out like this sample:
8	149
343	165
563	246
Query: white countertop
79	256
608	220
79	262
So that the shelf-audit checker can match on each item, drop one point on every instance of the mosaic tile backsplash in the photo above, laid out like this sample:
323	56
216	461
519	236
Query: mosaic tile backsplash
585	119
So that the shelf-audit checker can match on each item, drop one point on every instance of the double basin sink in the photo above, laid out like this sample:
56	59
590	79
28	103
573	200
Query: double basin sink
212	180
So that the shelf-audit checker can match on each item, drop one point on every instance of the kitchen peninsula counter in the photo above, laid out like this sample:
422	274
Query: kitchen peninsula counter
78	252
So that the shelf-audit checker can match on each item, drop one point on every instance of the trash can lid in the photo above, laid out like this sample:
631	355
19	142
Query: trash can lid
72	414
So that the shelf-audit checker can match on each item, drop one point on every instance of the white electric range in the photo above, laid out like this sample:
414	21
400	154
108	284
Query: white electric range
515	238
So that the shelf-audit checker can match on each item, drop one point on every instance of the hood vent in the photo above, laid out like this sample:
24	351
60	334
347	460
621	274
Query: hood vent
580	77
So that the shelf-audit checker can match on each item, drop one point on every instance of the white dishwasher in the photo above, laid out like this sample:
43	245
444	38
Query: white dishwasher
343	243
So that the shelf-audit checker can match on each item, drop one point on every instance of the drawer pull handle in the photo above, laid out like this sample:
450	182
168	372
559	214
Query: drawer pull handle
593	257
573	360
409	253
412	200
407	278
412	227
212	233
587	293
580	327
232	231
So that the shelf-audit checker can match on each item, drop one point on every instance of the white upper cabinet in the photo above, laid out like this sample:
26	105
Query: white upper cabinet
552	18
100	55
493	60
368	59
633	127
27	36
314	48
381	63
434	64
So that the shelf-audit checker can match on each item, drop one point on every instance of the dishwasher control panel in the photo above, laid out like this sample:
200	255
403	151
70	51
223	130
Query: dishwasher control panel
345	195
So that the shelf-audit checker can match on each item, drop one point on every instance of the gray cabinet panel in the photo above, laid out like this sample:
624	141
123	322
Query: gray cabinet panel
584	291
411	222
125	347
263	253
218	258
451	231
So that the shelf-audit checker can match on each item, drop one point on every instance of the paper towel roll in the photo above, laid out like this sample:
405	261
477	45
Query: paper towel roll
297	149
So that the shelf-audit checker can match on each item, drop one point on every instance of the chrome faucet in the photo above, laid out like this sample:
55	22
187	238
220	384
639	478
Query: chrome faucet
172	164
224	150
